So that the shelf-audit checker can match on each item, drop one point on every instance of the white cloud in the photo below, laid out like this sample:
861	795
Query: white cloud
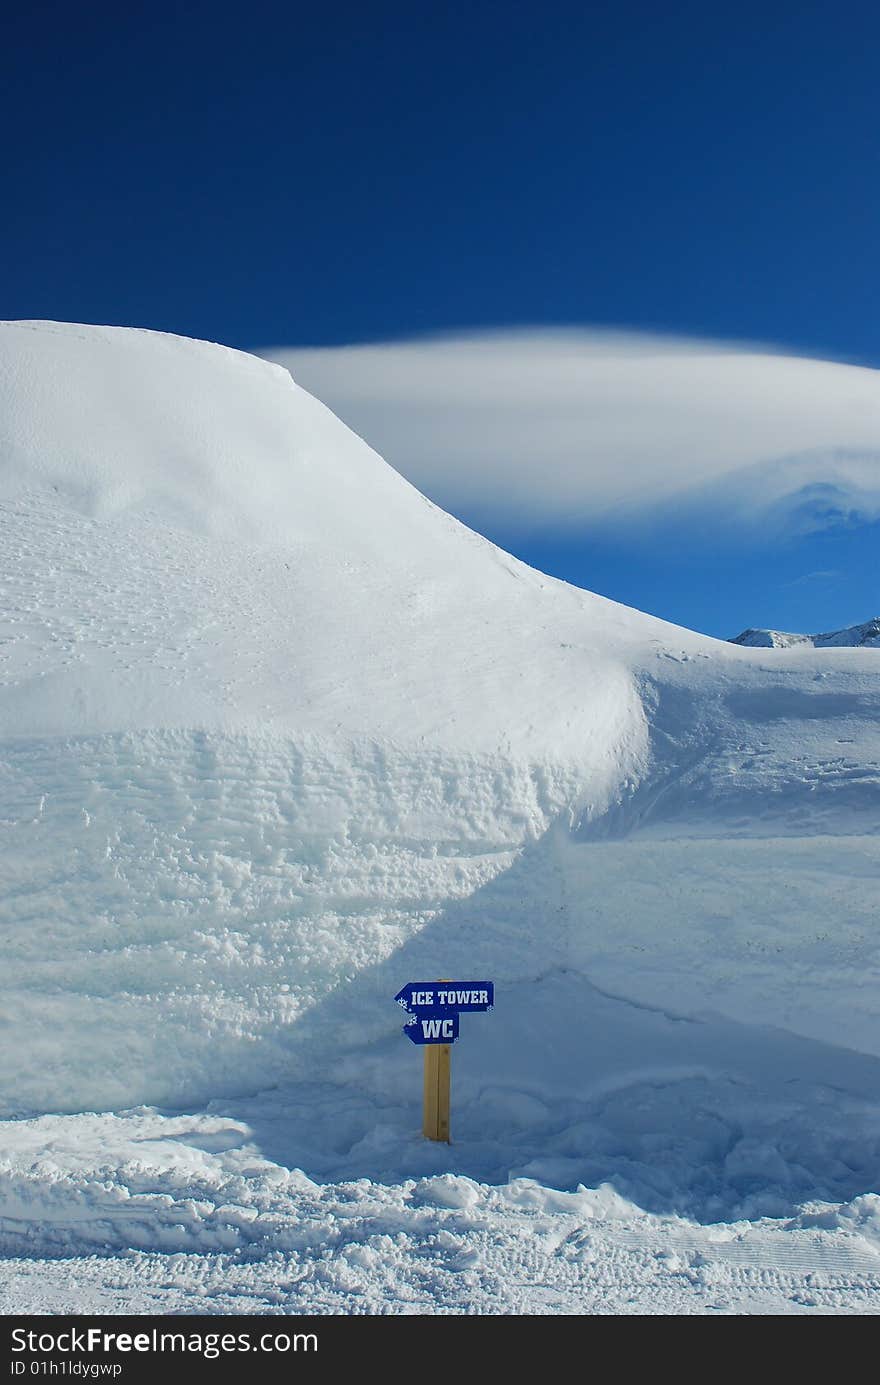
550	429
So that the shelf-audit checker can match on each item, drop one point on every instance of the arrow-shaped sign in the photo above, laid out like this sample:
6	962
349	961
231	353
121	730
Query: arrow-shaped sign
432	1027
444	998
433	1008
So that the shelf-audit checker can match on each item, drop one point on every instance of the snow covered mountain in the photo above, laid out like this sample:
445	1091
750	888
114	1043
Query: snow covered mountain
277	735
854	637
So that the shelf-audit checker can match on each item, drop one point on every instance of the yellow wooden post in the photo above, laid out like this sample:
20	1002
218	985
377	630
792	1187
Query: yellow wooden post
435	1109
438	1066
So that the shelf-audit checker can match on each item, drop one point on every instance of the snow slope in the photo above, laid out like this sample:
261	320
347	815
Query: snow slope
278	735
854	636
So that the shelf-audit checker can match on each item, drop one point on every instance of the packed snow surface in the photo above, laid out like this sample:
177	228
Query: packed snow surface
854	636
278	736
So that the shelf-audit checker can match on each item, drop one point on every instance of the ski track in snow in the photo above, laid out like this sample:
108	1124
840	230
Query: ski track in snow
279	736
445	1244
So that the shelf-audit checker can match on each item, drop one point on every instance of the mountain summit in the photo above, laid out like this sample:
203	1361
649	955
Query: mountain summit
854	637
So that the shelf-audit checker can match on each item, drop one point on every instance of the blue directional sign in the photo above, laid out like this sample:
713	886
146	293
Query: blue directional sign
434	1007
431	1027
446	995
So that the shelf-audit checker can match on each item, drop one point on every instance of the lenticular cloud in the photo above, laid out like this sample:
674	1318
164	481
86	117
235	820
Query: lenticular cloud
563	428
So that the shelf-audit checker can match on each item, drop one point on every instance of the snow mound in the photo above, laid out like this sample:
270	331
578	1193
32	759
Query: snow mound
278	736
119	422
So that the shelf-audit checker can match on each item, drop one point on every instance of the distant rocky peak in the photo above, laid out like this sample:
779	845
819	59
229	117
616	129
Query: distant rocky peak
854	637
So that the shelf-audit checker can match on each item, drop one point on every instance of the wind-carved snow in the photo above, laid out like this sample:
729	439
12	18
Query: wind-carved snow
278	736
207	895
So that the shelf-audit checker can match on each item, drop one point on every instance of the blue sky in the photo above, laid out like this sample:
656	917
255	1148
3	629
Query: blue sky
313	176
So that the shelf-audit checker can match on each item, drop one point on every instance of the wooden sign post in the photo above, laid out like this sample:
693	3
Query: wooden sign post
438	1072
433	1008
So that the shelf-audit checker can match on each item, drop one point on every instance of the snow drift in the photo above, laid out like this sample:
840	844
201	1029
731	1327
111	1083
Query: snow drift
278	735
